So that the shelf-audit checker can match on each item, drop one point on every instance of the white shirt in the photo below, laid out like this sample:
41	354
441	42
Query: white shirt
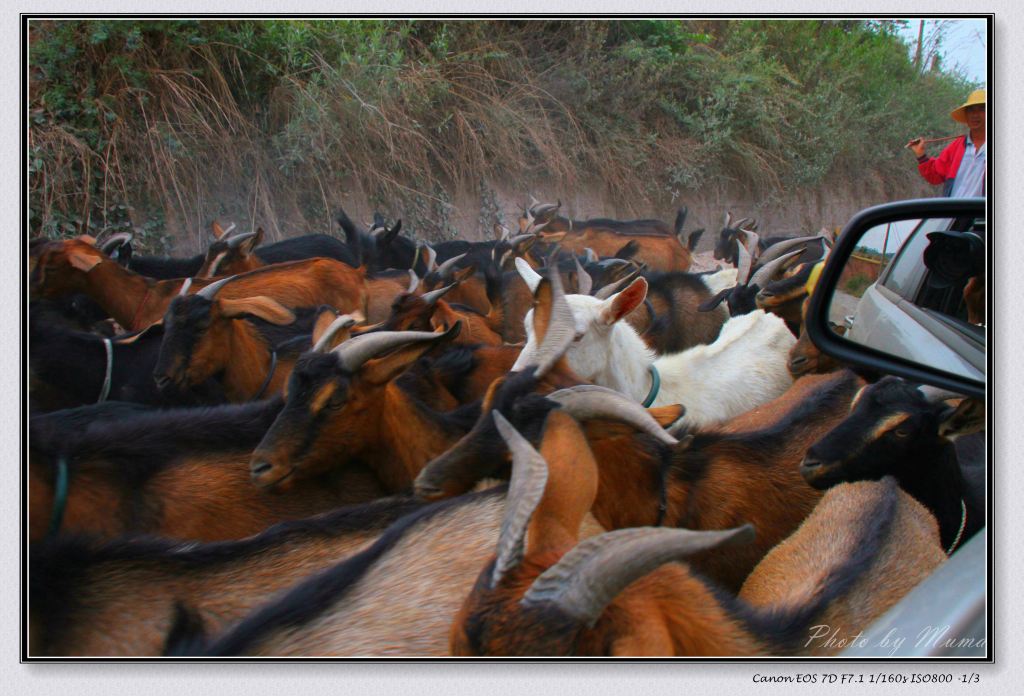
970	178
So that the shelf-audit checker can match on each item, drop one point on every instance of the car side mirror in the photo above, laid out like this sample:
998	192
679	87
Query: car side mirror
908	282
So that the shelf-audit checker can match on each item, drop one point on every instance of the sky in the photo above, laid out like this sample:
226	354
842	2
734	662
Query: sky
963	44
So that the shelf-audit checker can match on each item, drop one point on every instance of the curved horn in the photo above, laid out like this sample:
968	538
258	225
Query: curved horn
592	256
751	241
934	394
185	287
745	264
776	250
434	295
210	290
431	258
114	241
766	273
414	281
584	280
590	576
588	401
344	321
531	277
354	352
561	327
525	490
446	268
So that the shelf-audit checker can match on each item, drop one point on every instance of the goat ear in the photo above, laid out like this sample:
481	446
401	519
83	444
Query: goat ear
667	415
260	306
621	304
708	305
249	245
966	418
531	277
217	230
83	260
464	273
381	370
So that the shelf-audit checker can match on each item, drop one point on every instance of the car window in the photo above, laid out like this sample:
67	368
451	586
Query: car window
903	276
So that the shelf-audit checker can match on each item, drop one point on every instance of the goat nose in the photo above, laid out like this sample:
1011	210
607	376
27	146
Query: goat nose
162	382
259	467
810	462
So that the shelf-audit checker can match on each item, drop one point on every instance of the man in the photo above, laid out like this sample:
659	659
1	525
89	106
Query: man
961	165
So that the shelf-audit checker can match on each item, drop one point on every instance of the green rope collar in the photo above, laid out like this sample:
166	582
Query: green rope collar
655	386
60	496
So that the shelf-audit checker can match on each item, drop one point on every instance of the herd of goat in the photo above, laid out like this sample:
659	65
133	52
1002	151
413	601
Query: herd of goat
560	442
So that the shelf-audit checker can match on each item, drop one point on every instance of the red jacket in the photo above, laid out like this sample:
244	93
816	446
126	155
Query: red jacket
937	170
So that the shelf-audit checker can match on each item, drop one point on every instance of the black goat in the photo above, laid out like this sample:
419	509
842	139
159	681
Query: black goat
894	430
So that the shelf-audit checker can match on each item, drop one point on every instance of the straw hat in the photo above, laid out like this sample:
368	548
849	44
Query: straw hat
960	113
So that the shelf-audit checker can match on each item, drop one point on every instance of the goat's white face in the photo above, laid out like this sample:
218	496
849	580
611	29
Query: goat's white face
594	321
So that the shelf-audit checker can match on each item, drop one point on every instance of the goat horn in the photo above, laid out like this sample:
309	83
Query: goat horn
776	250
236	241
344	321
561	327
584	281
588	578
525	490
745	264
592	256
114	241
766	273
184	287
533	201
431	258
434	295
414	281
209	291
608	290
534	229
446	268
588	401
531	277
354	352
935	395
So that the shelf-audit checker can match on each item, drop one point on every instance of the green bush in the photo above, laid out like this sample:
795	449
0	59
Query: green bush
167	124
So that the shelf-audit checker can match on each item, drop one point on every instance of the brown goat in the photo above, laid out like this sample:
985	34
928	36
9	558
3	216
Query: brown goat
118	598
720	478
136	301
615	595
180	473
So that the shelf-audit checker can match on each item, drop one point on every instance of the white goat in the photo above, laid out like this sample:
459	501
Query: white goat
744	368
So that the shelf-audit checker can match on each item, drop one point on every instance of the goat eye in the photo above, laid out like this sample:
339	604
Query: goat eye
900	432
578	337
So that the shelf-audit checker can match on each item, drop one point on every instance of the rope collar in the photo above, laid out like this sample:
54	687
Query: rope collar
655	386
960	532
105	390
60	496
270	375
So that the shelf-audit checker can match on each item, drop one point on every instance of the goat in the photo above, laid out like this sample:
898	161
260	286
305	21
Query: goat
427	312
546	594
895	430
228	254
74	368
661	248
669	320
745	471
744	367
118	598
380	248
136	302
344	404
246	346
180	473
742	298
806	358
